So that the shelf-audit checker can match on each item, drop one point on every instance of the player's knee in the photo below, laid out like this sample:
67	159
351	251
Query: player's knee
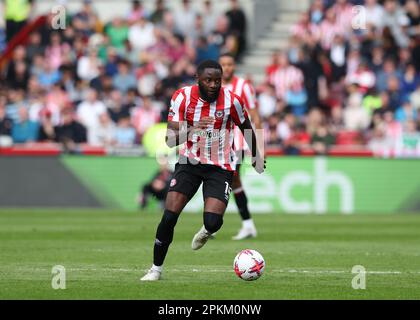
213	221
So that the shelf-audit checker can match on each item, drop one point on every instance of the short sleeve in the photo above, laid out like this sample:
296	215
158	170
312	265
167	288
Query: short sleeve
237	111
176	110
248	96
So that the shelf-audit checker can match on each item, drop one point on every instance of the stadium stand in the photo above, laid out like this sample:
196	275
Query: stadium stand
337	84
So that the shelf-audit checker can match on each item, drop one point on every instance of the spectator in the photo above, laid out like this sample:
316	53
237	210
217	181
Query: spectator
238	25
24	130
392	128
395	19
124	79
88	66
297	98
343	10
55	52
413	13
406	113
46	129
88	113
415	98
322	140
19	56
328	29
16	15
409	81
184	18
394	93
34	46
158	14
5	122
117	32
338	55
17	100
116	107
389	70
144	117
141	34
210	17
205	50
70	132
104	134
286	77
355	116
372	101
267	101
86	21
49	76
274	65
21	78
409	145
316	11
137	11
374	13
363	77
285	127
271	132
124	134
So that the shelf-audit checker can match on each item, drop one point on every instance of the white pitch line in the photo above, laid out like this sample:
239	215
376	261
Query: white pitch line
220	270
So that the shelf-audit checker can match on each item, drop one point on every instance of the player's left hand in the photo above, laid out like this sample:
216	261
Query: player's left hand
259	164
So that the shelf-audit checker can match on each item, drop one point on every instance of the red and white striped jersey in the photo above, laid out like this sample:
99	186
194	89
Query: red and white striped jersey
243	89
214	145
286	78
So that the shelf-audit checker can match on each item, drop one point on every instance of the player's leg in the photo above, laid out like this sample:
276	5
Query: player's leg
216	190
248	228
183	187
175	202
214	210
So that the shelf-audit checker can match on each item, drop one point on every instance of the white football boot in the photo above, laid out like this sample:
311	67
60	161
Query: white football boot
200	238
245	233
248	230
151	275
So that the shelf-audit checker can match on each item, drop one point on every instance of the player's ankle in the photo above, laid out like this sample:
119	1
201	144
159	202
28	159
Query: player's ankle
156	268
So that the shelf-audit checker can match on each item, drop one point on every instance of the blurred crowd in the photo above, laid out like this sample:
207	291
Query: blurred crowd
349	76
106	82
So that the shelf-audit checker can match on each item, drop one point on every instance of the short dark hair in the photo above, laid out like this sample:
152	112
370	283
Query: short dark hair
227	54
208	64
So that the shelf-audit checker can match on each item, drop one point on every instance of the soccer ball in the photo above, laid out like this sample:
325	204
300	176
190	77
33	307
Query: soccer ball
249	265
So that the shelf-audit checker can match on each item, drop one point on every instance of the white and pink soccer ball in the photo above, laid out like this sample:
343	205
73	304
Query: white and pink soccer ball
249	265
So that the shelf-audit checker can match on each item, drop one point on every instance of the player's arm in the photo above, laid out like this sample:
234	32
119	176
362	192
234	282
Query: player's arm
258	161
241	119
178	132
250	100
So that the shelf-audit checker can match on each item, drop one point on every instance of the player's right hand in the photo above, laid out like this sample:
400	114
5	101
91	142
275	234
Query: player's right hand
205	123
259	164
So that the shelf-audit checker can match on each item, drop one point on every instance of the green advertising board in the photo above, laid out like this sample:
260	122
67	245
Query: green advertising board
295	185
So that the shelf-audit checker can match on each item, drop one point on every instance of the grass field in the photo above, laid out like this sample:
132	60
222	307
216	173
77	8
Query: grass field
307	257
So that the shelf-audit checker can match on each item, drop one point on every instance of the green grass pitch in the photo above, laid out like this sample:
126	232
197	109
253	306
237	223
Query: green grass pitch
307	256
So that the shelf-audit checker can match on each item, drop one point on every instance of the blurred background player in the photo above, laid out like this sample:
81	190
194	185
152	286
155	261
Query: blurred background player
158	186
243	89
